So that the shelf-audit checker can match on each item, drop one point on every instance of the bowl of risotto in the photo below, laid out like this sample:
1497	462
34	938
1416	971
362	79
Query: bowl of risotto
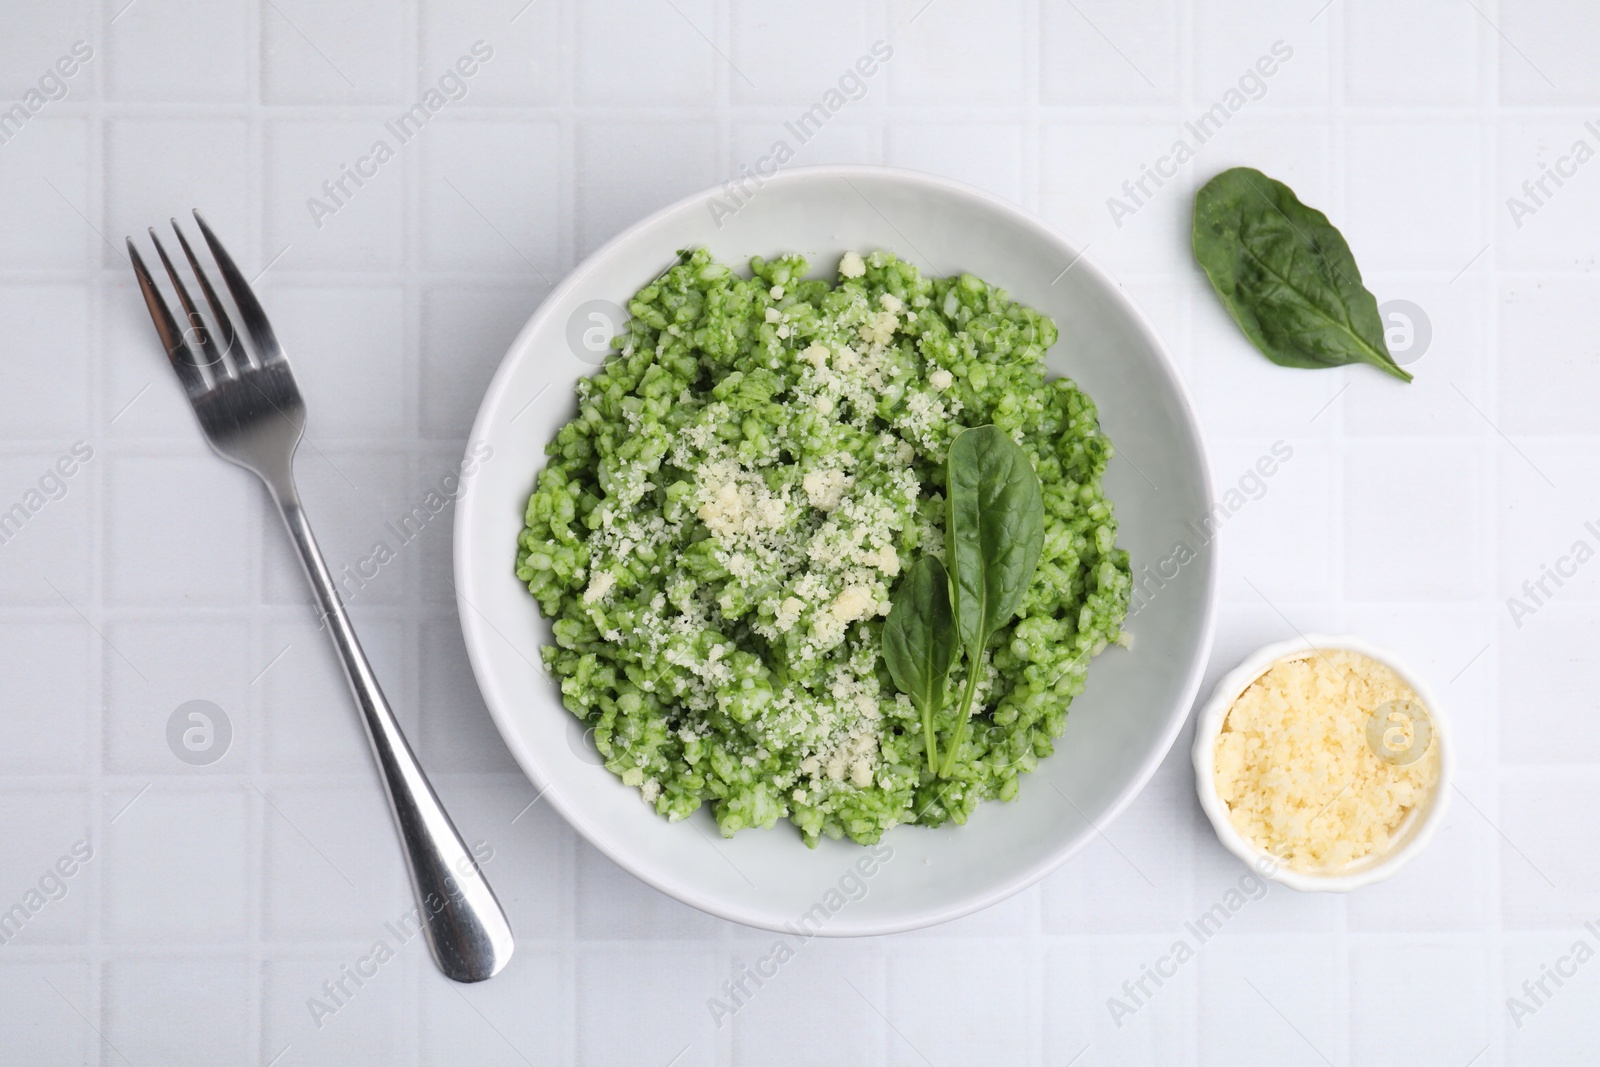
724	449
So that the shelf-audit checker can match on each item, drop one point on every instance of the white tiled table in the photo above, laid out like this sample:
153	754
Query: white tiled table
218	899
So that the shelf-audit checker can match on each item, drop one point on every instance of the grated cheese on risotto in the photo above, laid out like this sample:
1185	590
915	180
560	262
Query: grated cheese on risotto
1296	768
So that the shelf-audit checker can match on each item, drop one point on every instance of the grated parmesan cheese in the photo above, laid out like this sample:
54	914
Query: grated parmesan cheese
599	586
1294	765
788	613
824	489
880	328
853	603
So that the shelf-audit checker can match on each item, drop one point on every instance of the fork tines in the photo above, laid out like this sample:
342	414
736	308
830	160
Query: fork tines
193	348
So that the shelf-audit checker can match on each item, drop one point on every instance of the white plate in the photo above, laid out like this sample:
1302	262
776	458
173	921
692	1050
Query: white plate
1119	729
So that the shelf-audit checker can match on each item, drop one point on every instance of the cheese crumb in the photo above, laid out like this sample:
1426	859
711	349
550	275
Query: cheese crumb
855	602
824	489
941	379
886	559
880	328
773	315
851	265
599	586
788	613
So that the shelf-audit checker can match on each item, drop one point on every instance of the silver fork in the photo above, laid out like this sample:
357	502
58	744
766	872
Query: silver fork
252	415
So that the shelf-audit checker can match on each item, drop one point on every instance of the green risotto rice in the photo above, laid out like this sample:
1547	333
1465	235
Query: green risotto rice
718	533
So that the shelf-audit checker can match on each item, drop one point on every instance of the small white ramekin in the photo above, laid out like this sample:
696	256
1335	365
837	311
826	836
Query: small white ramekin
1413	834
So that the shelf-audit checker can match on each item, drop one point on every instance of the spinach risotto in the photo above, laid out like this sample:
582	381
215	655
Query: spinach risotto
719	533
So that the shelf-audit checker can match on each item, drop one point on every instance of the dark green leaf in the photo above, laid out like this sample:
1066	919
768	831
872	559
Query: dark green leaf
1286	275
919	640
994	529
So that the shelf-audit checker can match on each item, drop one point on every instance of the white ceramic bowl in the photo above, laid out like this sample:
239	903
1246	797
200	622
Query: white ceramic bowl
1119	729
1415	831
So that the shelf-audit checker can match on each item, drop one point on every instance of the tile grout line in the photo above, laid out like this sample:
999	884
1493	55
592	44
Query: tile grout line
976	112
98	191
722	134
413	361
1490	151
409	998
1188	94
341	278
255	804
1031	166
567	130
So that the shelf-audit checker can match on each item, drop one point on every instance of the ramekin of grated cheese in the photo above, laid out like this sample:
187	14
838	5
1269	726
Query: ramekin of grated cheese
1323	762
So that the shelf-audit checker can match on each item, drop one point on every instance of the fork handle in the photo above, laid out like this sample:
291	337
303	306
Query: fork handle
465	926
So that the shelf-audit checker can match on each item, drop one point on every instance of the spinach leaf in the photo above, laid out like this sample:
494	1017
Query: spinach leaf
994	531
919	642
1286	275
